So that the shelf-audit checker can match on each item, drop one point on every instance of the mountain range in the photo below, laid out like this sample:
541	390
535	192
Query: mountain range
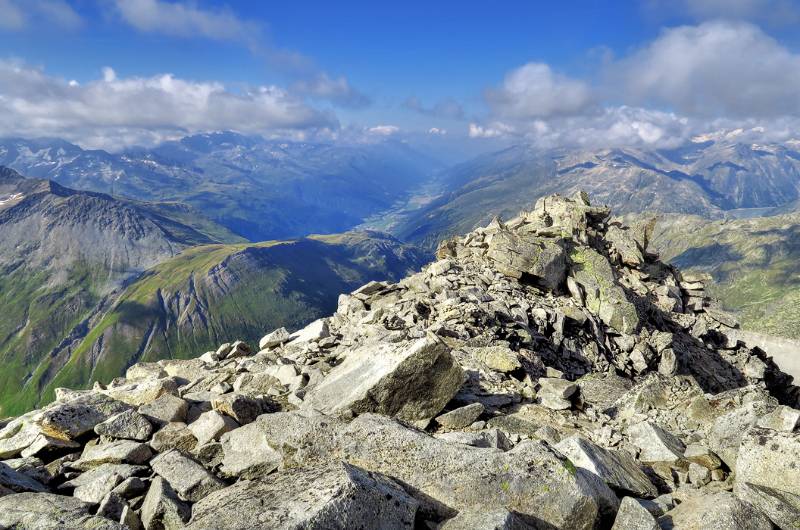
258	189
709	179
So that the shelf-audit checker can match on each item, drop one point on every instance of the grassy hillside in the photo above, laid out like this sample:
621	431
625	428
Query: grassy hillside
208	295
755	264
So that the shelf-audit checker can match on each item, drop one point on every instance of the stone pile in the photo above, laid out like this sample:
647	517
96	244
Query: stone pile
544	372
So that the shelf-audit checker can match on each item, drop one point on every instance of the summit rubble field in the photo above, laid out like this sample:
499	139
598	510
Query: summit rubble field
545	372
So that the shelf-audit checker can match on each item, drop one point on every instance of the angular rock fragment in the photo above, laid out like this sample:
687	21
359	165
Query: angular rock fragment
165	409
79	416
116	452
409	381
277	337
617	469
633	516
128	425
211	425
162	509
461	417
190	480
240	407
656	444
721	511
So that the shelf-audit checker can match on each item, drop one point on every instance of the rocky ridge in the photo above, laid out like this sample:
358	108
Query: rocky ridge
545	372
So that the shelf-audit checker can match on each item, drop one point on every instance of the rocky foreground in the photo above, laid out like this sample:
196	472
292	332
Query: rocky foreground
546	372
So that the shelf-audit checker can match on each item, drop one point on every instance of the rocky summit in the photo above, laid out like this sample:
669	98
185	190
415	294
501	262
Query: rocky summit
545	372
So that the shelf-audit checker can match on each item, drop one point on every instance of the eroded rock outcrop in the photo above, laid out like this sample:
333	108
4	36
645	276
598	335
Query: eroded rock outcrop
545	372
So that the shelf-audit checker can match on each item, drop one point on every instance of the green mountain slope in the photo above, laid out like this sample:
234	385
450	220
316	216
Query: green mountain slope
211	294
63	254
755	264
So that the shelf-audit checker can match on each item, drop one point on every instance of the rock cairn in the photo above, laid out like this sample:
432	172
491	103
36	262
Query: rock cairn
544	372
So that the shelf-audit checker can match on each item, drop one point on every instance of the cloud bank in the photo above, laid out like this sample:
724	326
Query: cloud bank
116	112
689	81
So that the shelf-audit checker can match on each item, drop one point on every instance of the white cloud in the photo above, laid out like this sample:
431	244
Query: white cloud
120	111
436	131
535	91
489	131
730	69
21	14
185	20
384	130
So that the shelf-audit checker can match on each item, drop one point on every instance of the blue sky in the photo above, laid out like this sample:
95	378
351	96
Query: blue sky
652	72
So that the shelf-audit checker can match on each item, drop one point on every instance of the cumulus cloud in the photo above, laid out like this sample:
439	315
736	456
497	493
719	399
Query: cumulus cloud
21	14
493	130
716	68
534	90
436	131
446	108
119	111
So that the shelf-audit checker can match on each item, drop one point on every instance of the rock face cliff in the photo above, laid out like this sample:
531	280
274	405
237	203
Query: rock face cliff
545	372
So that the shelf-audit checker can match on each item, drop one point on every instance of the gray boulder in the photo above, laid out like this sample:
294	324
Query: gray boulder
248	453
270	340
165	409
211	425
240	407
460	417
495	520
632	515
128	425
116	452
335	497
410	381
46	511
615	468
79	416
767	471
94	484
190	480
162	509
720	511
656	444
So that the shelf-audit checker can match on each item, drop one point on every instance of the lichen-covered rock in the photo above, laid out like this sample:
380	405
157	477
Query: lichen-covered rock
767	467
128	425
46	511
336	497
721	511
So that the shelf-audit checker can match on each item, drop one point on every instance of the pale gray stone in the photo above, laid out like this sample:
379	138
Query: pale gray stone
188	478
336	497
129	425
633	516
116	452
162	509
409	381
461	417
46	511
615	468
211	425
656	444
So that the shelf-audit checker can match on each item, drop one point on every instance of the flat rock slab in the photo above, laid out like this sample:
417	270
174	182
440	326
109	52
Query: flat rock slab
338	497
116	452
410	381
46	511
